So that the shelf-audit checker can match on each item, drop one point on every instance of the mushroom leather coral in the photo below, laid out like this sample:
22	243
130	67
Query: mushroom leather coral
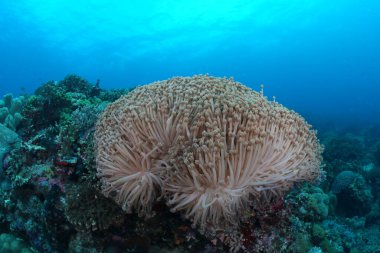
211	146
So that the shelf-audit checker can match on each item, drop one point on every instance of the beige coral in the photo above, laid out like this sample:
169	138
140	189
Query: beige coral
212	146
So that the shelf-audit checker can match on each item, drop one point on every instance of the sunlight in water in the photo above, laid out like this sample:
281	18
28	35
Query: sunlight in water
139	27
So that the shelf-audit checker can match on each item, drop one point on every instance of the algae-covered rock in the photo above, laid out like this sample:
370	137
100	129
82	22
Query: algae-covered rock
11	244
3	114
8	140
318	233
16	105
302	244
89	210
10	109
7	98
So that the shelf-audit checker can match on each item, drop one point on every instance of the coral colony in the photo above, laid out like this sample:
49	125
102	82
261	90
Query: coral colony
210	146
188	164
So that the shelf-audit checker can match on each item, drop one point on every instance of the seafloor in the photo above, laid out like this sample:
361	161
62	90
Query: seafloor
50	199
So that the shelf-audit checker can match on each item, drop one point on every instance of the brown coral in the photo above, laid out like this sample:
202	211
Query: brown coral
211	145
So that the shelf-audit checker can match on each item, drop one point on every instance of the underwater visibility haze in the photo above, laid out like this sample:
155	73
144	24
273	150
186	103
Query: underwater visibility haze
260	132
318	57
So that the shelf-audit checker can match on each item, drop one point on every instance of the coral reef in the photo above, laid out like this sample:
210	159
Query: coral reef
346	148
10	109
55	139
343	180
8	141
354	198
51	199
310	203
88	210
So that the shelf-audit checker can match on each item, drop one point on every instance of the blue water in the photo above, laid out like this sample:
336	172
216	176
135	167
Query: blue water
320	58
